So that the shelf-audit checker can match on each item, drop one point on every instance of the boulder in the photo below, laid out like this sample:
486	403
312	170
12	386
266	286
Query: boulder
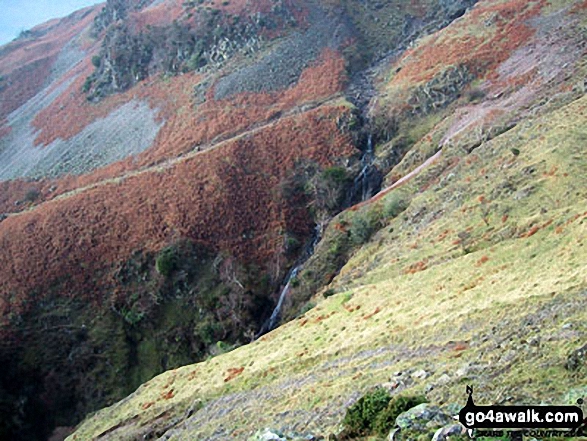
422	418
576	359
445	432
276	435
268	435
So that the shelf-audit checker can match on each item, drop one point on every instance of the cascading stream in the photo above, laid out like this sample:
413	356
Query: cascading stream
365	184
368	181
309	251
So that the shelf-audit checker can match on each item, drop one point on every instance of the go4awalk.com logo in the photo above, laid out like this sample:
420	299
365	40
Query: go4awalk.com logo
541	421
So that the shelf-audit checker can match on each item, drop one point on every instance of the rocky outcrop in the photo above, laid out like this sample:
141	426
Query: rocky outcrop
116	10
209	38
439	92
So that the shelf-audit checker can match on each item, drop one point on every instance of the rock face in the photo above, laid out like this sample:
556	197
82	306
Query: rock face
439	92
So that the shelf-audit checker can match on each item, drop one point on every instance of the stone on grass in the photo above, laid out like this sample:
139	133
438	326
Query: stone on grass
577	359
422	418
445	432
268	435
420	374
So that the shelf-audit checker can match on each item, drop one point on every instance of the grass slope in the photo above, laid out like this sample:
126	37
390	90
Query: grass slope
482	278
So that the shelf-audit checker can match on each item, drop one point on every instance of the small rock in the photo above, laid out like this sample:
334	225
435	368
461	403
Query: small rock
508	356
393	435
422	417
268	435
577	359
392	385
572	396
534	341
420	374
443	433
453	409
443	380
567	326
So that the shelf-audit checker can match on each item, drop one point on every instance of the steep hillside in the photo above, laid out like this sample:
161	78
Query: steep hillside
467	268
481	280
163	166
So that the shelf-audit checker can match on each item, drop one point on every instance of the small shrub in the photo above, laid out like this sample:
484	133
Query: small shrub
166	262
96	61
360	417
132	316
385	420
292	244
362	228
32	195
87	84
328	293
515	151
475	94
338	175
394	206
307	307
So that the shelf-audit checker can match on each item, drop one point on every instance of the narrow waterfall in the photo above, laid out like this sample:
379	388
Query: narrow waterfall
274	319
308	252
368	181
365	185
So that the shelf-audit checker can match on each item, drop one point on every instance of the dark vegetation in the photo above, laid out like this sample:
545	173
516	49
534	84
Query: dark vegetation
168	309
347	232
375	414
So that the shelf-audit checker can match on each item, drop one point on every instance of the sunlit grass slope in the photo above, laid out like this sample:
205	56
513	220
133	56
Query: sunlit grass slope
482	280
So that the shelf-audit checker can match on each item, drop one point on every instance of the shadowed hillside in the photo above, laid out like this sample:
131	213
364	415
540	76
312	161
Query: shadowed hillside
410	172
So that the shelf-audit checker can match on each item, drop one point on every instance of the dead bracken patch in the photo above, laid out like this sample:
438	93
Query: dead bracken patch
368	316
147	405
417	267
168	395
535	229
232	373
482	260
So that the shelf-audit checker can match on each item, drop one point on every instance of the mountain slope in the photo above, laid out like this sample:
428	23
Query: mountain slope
415	297
161	182
162	167
474	271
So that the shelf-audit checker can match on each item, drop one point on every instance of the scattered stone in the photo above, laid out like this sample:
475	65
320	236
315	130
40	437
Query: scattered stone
275	435
577	359
453	409
443	380
392	386
268	435
422	417
445	432
574	395
420	375
534	341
